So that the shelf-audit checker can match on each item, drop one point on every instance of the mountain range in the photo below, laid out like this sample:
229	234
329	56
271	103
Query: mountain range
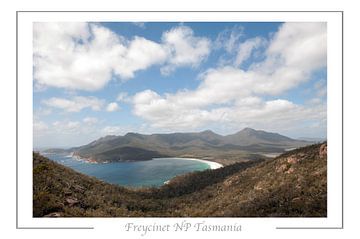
245	144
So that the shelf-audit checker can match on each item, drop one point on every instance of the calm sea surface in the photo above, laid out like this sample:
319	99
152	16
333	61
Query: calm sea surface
134	174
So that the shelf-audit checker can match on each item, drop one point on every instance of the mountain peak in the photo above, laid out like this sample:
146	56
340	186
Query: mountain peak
207	132
247	129
249	136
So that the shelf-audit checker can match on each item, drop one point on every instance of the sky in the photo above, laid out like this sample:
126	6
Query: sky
94	79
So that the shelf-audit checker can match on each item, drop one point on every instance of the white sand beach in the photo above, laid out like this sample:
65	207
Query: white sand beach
271	155
213	165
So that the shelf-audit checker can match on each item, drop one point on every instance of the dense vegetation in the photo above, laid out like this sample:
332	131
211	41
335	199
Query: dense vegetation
291	185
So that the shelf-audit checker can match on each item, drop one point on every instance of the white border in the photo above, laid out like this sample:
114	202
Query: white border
25	114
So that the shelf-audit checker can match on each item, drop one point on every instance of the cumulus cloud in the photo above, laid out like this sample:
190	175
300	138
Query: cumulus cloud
111	107
75	104
233	95
84	56
141	54
184	48
300	45
249	111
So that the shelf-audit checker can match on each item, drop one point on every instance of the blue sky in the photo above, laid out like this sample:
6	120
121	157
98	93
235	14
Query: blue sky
95	79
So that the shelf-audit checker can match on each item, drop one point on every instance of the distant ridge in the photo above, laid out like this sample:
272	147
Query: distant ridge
136	147
311	139
249	136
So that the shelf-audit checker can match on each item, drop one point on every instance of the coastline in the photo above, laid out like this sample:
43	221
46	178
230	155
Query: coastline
85	160
212	165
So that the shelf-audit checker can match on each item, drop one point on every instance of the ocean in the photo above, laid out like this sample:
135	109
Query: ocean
133	174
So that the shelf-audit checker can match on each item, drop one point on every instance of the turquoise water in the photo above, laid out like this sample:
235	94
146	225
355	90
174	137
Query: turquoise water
133	174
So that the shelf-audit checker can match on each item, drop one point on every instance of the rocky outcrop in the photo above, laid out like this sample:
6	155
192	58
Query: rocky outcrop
53	214
79	188
323	151
71	201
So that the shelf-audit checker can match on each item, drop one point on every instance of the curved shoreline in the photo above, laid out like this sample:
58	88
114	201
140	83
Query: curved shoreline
212	165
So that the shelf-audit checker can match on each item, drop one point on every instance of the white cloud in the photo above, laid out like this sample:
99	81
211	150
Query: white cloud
66	127
229	39
75	104
66	133
172	113
234	96
141	54
238	51
90	120
39	126
246	48
122	97
60	61
184	48
124	129
113	106
42	111
113	130
300	45
321	88
83	56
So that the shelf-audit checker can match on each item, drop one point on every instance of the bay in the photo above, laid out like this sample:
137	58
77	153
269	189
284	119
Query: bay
133	174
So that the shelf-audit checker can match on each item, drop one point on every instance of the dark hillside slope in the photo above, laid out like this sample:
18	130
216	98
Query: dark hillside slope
291	185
